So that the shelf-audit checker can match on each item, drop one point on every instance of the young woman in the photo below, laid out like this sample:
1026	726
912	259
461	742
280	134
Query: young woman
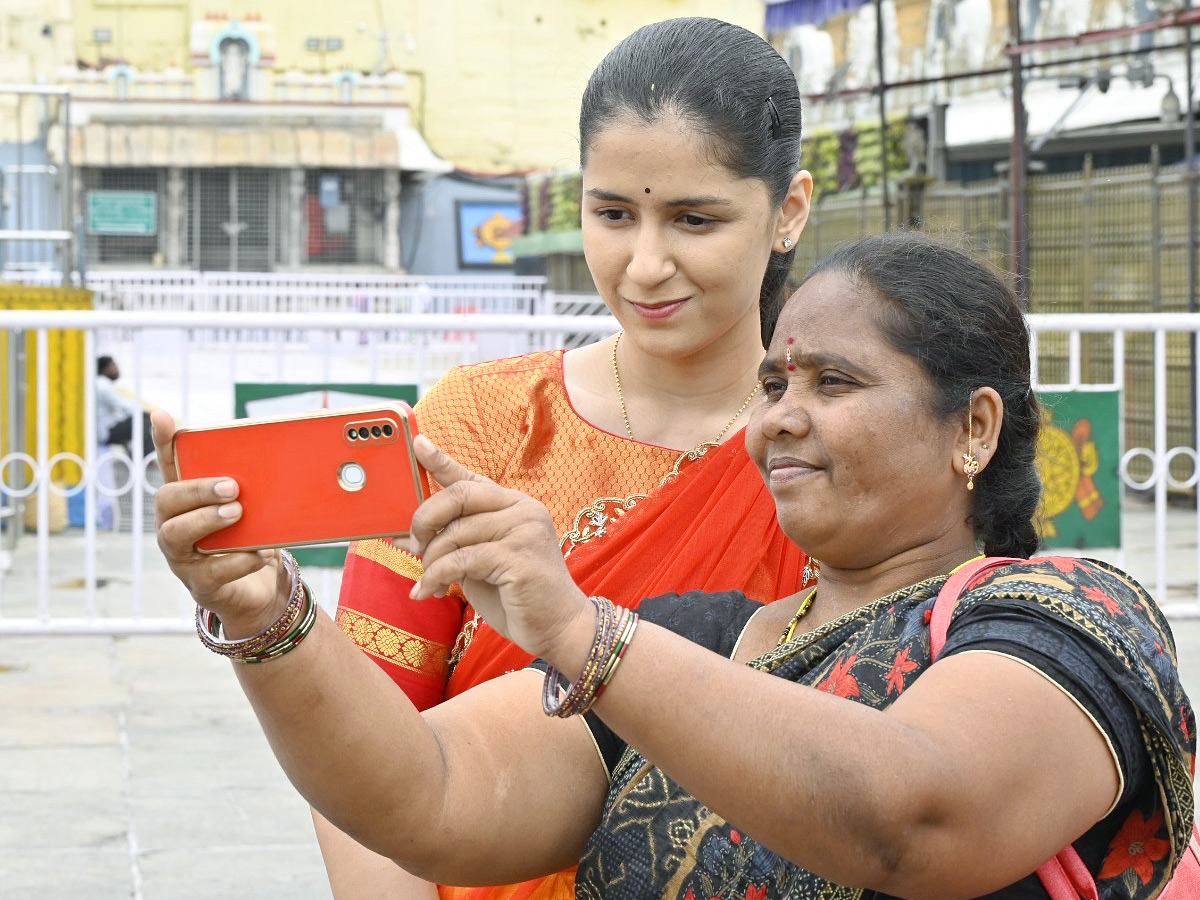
693	200
806	748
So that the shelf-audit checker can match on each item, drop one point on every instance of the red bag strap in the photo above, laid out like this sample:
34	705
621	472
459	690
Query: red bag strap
1185	884
1064	877
947	598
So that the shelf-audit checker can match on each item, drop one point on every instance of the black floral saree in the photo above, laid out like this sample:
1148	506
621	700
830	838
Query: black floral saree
1084	624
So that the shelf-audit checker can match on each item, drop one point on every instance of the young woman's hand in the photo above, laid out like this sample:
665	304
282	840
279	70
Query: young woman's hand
501	546
247	590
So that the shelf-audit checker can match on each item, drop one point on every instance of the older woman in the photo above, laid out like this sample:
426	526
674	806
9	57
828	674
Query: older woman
806	748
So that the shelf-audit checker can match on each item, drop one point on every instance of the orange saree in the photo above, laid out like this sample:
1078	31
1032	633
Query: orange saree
626	535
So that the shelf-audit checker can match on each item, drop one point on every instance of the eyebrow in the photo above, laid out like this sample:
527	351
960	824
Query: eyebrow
612	197
774	363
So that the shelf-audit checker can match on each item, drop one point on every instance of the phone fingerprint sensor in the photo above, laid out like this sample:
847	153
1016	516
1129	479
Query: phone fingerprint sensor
352	476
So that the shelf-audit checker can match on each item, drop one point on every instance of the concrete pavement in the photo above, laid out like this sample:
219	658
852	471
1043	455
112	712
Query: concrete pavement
132	767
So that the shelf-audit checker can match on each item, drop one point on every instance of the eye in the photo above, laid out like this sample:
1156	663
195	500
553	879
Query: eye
692	220
835	380
613	214
773	388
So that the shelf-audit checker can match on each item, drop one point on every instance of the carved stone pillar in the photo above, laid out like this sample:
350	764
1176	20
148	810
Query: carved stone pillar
391	219
174	246
295	254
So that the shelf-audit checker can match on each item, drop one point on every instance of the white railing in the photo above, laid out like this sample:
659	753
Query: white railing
189	363
147	290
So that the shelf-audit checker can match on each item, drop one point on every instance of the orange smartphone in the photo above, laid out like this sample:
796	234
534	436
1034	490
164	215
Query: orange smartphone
319	477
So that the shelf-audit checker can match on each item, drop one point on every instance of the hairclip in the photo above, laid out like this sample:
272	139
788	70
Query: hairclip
776	121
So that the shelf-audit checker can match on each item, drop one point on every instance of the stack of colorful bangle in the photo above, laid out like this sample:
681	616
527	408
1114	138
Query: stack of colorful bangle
614	631
280	637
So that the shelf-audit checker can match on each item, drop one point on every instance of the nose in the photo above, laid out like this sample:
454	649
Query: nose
651	260
786	416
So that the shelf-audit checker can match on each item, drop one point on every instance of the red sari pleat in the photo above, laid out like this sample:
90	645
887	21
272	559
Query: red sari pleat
713	528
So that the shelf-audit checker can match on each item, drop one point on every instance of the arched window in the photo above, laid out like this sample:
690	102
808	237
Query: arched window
122	78
234	68
345	83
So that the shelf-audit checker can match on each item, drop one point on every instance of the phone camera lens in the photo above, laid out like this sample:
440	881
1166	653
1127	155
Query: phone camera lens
376	431
351	434
364	433
387	430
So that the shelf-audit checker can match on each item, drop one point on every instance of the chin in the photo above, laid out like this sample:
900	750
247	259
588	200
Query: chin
794	528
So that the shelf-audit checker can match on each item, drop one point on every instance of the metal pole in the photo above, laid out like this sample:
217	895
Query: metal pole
22	254
67	183
1189	152
1018	259
883	128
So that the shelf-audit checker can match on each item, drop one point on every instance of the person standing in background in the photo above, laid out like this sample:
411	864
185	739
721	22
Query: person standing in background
115	412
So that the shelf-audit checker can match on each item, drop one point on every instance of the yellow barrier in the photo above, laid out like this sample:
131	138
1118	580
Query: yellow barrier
70	375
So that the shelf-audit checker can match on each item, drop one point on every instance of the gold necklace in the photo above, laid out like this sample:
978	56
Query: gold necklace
807	602
625	412
805	606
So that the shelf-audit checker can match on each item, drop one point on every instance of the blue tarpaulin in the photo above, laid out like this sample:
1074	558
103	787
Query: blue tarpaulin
786	13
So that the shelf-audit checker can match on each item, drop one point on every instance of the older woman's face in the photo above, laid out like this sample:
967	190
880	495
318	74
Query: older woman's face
845	437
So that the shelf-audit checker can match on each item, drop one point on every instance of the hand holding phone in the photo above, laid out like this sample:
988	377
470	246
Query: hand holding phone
313	478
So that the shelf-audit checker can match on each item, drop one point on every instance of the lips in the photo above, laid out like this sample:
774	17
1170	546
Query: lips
786	468
657	310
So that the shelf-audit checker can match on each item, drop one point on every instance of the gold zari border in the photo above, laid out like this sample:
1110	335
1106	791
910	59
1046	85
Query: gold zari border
390	557
394	645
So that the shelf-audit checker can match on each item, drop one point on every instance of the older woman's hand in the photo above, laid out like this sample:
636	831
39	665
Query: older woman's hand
247	590
501	546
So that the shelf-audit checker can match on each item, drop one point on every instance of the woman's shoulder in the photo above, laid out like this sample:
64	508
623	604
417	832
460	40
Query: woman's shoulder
1087	596
1098	609
1073	586
483	391
527	367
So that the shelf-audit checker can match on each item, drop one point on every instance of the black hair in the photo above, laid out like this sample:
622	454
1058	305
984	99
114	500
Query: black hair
960	320
102	363
727	83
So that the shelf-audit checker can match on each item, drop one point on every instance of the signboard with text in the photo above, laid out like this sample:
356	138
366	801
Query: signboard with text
133	213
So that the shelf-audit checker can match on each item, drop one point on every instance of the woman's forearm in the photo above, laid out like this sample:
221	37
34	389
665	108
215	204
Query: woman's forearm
356	873
450	794
907	801
334	721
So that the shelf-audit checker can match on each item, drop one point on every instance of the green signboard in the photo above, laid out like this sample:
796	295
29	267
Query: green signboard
273	399
132	213
1079	454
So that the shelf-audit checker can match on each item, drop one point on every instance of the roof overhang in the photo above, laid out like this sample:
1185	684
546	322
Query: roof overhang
269	135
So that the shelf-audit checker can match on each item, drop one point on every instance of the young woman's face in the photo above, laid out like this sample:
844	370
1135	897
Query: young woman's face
676	243
846	439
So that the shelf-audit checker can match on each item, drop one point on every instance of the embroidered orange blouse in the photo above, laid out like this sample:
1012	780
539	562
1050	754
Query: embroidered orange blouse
511	420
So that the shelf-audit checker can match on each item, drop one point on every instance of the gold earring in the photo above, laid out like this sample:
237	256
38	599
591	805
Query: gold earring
970	463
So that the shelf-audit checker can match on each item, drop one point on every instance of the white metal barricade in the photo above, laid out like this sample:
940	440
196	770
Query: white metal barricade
88	580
